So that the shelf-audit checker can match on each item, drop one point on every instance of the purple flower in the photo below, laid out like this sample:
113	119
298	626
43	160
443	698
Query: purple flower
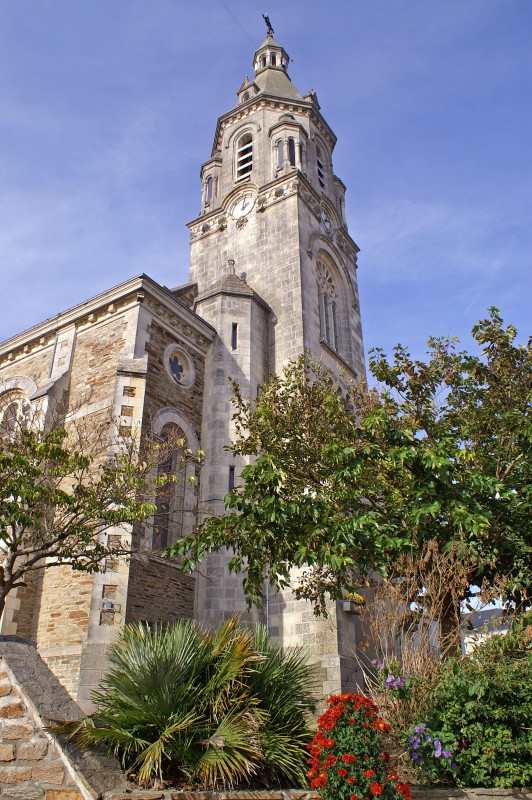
437	748
399	682
389	681
420	729
416	741
428	738
415	757
453	765
447	754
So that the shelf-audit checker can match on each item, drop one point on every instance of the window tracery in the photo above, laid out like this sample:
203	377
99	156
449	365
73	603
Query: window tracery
329	306
15	412
170	514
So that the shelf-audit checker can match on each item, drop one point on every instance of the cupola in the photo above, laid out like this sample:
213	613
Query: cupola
270	55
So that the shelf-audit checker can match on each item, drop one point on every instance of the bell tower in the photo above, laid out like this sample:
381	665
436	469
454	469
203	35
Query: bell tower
275	269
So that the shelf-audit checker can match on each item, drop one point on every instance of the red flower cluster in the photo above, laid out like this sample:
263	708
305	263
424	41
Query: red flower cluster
405	790
357	760
348	759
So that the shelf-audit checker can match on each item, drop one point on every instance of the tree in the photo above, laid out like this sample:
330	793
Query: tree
440	454
58	500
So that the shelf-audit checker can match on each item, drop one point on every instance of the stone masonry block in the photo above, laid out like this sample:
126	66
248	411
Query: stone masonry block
140	795
14	774
53	772
32	751
190	796
6	752
16	730
24	792
63	794
5	688
11	708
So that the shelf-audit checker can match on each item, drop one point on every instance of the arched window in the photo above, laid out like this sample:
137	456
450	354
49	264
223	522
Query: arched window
329	306
244	157
170	514
280	154
320	167
292	152
245	97
263	61
15	412
208	190
273	60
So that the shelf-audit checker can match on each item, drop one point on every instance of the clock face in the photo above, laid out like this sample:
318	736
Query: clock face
326	221
243	207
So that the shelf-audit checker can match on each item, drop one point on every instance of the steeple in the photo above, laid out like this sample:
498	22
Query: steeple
270	63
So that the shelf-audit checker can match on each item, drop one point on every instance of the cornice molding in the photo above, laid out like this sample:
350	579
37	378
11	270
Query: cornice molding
98	309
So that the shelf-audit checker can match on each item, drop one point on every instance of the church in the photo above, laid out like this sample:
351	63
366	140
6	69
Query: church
272	273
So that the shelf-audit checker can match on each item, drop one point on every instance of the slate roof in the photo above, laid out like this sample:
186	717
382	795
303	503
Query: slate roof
276	82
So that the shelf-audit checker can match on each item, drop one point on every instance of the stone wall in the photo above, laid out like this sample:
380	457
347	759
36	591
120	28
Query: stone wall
296	794
158	591
34	765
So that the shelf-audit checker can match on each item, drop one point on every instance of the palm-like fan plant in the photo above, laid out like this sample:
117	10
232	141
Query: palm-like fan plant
203	709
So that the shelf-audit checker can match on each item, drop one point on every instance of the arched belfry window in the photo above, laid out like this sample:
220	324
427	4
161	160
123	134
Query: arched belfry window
329	306
320	167
244	157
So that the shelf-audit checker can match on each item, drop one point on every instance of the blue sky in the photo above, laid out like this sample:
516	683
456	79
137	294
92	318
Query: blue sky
108	108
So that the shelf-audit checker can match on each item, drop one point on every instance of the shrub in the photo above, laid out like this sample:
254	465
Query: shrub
185	706
347	758
476	730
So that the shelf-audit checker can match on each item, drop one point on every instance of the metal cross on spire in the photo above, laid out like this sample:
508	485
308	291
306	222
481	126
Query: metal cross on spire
266	19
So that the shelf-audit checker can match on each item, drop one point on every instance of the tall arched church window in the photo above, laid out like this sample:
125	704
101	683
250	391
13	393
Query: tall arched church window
244	157
329	307
319	164
208	190
292	152
170	514
15	412
280	154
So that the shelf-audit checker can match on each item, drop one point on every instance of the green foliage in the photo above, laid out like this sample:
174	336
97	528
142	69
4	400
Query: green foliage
348	761
480	711
55	501
199	709
442	453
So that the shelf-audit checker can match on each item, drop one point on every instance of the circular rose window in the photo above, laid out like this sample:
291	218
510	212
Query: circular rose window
180	366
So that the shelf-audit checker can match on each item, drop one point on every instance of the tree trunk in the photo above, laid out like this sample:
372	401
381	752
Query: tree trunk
3	595
450	625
